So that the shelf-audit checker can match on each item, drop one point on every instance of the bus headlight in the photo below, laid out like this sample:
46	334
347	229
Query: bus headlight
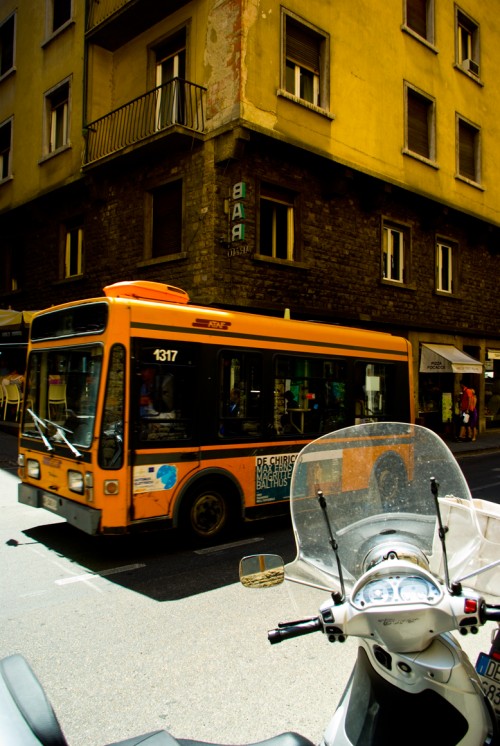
33	468
75	481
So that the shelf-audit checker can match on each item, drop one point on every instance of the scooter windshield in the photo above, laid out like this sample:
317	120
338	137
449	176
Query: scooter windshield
376	482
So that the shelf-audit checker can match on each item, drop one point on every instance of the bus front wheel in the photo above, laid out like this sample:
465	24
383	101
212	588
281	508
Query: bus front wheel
208	513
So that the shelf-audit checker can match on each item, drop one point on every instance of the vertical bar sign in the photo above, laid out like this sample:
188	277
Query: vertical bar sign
238	214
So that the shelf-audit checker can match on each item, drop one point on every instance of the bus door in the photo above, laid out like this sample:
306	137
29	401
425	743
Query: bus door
165	398
113	444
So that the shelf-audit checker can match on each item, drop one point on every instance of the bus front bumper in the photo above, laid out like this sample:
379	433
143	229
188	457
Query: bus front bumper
85	518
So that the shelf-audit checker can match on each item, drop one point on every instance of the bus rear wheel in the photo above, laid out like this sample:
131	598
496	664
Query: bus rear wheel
208	513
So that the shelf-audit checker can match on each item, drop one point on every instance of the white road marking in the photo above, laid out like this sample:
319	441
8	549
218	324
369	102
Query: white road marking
102	573
486	486
221	547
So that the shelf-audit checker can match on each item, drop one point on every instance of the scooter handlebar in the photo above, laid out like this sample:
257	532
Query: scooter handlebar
490	613
294	629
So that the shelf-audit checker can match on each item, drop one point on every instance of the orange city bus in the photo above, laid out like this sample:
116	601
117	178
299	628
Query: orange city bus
143	410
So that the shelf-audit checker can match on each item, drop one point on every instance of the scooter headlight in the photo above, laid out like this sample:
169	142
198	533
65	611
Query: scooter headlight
395	549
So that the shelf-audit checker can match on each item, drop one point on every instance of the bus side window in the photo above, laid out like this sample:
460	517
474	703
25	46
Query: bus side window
156	393
372	391
164	391
309	395
111	450
240	397
165	403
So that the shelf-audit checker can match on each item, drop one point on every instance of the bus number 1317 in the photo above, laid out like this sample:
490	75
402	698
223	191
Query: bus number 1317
165	356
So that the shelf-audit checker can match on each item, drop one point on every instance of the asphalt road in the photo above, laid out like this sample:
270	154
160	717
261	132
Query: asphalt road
483	475
133	635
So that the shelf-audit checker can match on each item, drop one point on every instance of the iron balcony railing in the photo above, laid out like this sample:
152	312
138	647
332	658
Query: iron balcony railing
176	103
100	10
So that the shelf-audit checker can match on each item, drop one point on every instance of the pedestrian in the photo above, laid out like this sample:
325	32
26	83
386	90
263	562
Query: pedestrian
465	405
473	415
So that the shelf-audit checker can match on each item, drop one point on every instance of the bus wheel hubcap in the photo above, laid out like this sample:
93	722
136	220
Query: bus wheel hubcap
208	514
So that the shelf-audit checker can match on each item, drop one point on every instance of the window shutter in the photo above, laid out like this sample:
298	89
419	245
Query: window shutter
302	46
418	124
416	16
467	151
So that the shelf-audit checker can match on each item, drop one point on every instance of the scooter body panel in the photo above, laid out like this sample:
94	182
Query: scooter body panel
429	697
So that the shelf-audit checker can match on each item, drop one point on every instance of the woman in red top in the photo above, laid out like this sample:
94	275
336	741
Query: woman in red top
465	411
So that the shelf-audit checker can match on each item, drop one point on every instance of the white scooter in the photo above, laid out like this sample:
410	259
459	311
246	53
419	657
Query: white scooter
385	523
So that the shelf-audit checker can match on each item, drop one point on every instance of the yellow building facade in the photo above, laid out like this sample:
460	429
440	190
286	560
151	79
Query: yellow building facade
371	64
40	97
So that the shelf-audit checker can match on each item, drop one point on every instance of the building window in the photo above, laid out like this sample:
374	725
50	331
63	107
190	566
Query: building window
170	81
304	74
59	13
420	124
468	151
419	18
277	232
395	252
5	150
10	263
7	39
166	220
445	259
57	103
467	43
73	254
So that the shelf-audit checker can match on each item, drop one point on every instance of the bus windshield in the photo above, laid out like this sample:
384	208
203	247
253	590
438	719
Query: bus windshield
61	395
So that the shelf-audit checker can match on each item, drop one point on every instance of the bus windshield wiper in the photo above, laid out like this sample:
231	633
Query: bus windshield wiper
39	424
61	431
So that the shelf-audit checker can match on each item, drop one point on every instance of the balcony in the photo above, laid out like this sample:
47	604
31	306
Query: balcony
176	106
112	23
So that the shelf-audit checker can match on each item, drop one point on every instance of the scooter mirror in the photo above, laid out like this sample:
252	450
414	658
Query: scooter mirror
262	570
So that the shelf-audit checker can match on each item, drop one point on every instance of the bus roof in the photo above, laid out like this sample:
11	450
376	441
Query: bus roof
244	329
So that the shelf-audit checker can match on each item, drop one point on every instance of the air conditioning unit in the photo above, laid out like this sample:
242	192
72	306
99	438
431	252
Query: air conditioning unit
471	66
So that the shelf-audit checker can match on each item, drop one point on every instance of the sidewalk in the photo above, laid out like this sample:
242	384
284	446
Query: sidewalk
486	443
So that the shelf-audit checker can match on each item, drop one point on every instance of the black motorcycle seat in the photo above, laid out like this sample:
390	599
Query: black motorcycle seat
162	738
26	715
289	738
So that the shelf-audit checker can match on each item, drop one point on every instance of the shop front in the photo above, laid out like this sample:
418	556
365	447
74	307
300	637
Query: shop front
492	388
442	368
14	332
